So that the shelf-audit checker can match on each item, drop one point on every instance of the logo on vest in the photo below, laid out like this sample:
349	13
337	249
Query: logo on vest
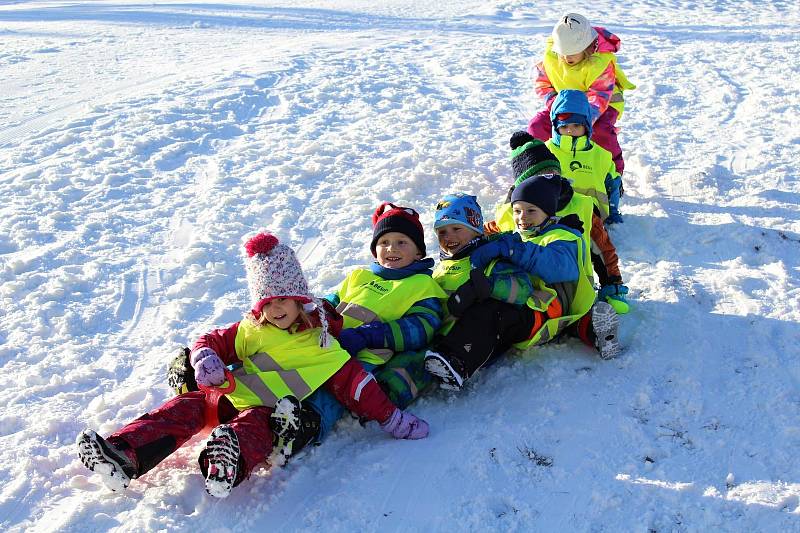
376	287
575	165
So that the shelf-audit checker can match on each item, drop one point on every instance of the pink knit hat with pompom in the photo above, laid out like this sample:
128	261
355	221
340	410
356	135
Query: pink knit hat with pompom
273	271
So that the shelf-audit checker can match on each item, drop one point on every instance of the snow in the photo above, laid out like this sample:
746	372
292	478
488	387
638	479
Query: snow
142	142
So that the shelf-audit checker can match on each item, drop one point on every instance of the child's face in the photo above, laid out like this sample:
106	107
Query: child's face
573	59
573	130
396	250
281	312
527	215
454	237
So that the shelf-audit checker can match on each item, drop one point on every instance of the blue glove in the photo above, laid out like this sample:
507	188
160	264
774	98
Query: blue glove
616	296
613	189
364	336
498	248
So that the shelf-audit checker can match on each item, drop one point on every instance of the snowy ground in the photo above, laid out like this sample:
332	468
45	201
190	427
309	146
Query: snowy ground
140	142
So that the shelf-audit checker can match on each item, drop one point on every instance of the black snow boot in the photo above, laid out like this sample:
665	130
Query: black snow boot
294	425
449	370
180	374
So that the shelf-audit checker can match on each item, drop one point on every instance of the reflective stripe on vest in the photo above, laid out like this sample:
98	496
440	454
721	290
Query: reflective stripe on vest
581	302
277	363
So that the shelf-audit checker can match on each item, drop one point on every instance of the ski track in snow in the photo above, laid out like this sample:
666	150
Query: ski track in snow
131	179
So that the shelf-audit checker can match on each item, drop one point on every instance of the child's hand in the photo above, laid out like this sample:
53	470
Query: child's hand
352	340
476	289
498	248
209	370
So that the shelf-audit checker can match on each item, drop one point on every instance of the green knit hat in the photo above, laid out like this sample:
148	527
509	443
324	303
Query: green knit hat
531	157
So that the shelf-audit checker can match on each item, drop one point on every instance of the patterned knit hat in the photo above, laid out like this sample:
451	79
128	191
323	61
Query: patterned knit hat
274	272
531	157
460	209
541	191
400	219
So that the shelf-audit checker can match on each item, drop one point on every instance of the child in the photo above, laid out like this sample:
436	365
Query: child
530	157
579	56
391	311
534	203
280	352
487	310
588	166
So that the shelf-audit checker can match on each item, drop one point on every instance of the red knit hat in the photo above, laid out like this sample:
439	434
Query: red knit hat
400	219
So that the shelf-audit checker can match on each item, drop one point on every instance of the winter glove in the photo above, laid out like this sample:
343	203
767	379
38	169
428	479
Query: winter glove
180	374
497	248
614	190
476	289
572	221
615	295
402	425
364	336
209	370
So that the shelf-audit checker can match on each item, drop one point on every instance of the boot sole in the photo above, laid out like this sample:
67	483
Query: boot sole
605	323
438	366
221	462
95	455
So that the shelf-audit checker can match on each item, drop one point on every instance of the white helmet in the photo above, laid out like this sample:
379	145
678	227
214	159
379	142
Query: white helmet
572	34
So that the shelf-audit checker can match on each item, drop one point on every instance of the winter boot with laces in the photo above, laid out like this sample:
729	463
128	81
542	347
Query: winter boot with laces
605	323
294	425
449	370
102	457
222	455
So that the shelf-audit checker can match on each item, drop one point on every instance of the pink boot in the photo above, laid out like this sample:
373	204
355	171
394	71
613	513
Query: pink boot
404	425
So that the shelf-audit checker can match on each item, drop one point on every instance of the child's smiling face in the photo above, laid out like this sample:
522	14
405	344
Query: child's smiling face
281	312
396	250
454	237
527	215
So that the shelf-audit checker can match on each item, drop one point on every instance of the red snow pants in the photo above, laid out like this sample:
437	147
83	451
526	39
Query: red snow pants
157	434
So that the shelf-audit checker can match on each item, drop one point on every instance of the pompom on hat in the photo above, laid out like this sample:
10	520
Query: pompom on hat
273	271
389	217
531	157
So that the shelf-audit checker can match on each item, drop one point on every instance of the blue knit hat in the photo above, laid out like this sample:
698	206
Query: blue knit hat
460	209
542	191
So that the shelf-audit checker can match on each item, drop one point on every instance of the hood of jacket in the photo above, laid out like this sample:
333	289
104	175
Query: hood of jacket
575	103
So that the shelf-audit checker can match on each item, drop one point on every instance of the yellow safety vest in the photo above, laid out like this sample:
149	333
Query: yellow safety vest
278	363
586	170
581	75
581	302
365	297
